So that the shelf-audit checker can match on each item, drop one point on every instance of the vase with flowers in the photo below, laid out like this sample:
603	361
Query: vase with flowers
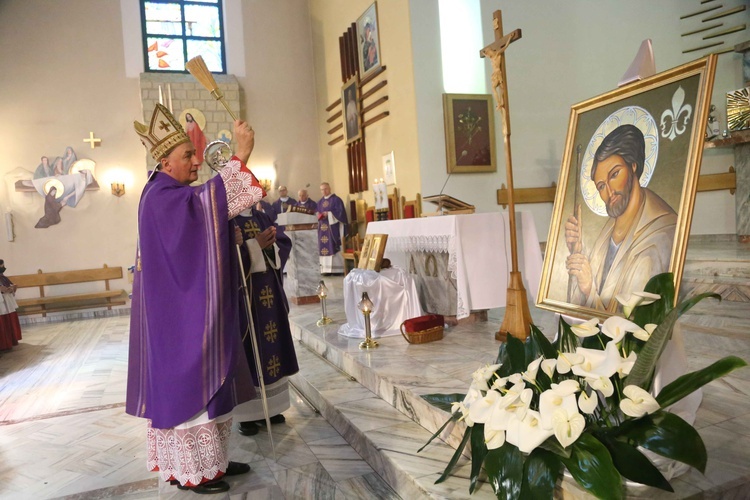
585	403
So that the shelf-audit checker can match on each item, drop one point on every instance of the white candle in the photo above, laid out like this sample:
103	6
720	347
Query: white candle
169	97
161	99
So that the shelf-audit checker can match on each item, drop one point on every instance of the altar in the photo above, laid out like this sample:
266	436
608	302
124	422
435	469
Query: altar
471	253
301	269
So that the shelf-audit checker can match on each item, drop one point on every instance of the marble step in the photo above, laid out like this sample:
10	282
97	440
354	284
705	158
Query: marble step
384	437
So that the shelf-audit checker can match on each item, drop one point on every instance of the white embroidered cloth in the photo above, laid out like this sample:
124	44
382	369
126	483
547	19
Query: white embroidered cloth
478	247
243	190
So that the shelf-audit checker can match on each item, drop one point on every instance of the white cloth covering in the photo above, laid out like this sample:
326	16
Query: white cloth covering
478	247
393	294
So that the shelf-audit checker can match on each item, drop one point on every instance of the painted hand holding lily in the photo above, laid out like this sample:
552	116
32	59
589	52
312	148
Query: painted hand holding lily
583	403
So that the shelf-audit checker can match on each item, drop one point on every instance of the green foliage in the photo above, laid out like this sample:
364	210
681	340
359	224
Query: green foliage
454	417
633	465
478	453
540	473
591	466
444	401
455	457
504	467
690	382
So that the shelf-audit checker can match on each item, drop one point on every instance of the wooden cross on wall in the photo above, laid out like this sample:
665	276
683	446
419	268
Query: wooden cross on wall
517	314
356	156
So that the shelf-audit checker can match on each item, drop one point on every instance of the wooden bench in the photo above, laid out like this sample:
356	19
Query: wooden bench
55	303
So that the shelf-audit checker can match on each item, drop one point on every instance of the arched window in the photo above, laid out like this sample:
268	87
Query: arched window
175	31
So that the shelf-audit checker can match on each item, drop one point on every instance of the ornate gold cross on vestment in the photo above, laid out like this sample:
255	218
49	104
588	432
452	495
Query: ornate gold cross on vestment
517	314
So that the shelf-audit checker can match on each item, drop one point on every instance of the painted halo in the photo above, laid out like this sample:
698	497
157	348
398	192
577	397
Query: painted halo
631	115
197	115
84	164
56	184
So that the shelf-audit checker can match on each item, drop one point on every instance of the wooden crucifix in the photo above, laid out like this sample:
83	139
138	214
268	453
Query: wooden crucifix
517	315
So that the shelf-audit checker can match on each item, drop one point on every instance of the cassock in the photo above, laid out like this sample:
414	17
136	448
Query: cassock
270	316
10	327
281	205
309	204
331	231
186	367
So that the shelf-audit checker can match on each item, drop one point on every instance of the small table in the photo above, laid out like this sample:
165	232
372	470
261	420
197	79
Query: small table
394	297
478	253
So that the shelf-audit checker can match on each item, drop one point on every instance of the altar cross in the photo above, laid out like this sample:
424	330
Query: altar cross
92	140
517	315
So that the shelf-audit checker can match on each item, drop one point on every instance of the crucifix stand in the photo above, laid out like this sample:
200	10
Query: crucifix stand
517	315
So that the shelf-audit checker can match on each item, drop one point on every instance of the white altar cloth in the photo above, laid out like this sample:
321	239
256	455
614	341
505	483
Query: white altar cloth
478	247
394	297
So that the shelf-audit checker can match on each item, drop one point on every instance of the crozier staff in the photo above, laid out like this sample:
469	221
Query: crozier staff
187	369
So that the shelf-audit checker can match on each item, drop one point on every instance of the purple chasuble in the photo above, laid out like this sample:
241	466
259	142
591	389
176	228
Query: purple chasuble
329	235
269	306
279	207
185	353
268	209
309	204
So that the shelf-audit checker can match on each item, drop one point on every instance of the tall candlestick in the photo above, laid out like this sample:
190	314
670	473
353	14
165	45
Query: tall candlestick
169	96
161	98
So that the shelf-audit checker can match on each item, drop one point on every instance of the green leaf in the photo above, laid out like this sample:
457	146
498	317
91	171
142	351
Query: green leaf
504	468
543	345
634	465
455	457
553	445
514	357
455	416
444	401
662	285
567	341
591	466
478	452
668	435
690	382
642	372
540	474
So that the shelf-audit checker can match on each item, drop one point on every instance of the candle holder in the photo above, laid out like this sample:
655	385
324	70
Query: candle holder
322	292
365	305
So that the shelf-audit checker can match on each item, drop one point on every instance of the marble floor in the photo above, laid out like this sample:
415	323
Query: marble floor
64	432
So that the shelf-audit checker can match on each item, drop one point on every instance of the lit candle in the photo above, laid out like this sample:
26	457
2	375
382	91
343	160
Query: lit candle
161	99
169	96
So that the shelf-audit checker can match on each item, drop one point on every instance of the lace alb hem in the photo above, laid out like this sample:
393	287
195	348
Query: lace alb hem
243	190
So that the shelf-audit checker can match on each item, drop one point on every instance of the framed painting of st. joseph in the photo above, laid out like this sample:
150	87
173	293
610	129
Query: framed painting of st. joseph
625	194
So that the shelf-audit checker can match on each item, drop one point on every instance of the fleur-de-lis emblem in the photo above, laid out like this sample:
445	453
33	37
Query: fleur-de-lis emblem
674	121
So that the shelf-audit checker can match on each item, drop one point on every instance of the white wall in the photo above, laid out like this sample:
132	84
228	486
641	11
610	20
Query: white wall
570	51
65	73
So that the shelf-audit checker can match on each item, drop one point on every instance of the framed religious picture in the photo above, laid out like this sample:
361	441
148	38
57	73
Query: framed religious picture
389	169
469	133
625	194
368	41
376	251
364	253
350	108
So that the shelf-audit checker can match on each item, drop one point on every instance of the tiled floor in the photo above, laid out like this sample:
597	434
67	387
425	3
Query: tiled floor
64	432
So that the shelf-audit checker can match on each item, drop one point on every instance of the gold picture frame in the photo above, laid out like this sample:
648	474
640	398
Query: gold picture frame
469	121
350	111
626	191
373	248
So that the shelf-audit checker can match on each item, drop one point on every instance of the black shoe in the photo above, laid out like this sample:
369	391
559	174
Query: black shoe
208	488
237	468
276	419
247	429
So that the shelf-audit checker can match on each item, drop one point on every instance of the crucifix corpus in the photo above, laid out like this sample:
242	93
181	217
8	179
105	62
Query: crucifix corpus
517	315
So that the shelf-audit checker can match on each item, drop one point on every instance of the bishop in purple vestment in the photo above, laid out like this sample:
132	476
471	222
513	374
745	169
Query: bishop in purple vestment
186	367
264	255
332	227
306	202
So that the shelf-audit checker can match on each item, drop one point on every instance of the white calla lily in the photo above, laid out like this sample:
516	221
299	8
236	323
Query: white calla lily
637	402
515	378
646	332
472	395
627	364
616	327
493	438
630	302
568	427
548	367
531	371
499	383
598	363
481	409
566	360
527	433
587	329
550	401
482	375
566	387
602	384
464	412
587	404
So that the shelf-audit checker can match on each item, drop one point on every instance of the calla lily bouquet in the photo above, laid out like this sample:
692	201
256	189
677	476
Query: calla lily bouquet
583	402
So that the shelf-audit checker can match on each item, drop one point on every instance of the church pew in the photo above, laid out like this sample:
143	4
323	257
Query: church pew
45	303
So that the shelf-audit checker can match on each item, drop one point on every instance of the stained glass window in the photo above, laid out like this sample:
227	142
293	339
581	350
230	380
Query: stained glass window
175	31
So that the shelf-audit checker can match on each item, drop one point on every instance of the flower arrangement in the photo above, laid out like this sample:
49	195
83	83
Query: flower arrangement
584	403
